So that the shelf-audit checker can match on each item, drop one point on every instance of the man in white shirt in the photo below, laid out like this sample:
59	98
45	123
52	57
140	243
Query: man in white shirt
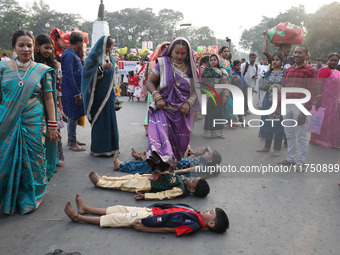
4	57
250	73
263	68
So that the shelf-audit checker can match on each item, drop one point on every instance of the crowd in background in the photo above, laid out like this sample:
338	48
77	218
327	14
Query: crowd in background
60	84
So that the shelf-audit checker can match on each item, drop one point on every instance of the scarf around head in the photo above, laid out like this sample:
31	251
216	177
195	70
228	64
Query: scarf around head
192	65
89	81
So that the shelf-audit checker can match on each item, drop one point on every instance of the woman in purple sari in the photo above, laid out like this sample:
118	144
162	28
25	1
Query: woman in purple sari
328	96
173	87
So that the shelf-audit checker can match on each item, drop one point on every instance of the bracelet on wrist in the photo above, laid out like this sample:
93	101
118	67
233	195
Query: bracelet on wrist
155	92
52	124
159	98
190	101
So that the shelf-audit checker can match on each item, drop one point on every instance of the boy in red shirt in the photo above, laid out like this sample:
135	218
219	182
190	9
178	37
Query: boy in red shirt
179	219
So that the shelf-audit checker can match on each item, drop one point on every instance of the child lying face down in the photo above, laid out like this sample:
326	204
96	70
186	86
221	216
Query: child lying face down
179	219
167	186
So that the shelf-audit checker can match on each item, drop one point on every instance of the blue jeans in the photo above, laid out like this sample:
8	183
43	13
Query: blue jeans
71	131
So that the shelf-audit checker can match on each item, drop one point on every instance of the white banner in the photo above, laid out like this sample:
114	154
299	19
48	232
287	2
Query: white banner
150	45
126	66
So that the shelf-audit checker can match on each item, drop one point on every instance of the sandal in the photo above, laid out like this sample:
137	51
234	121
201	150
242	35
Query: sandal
76	147
276	154
286	162
263	150
60	163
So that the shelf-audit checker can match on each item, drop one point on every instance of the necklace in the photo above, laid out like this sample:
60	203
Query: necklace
22	79
177	83
179	65
23	64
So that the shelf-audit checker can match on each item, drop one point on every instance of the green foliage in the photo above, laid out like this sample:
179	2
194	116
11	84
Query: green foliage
323	31
130	26
12	18
252	39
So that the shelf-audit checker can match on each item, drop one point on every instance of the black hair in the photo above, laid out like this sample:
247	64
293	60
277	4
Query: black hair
164	47
41	40
221	221
252	55
184	43
306	50
109	42
19	33
202	189
76	37
243	59
332	55
222	49
4	54
236	62
216	157
132	73
279	54
319	59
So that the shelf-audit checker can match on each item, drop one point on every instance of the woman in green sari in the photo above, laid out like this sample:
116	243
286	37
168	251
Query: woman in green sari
27	118
215	74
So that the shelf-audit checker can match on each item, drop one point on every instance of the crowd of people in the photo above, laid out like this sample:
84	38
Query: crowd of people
62	85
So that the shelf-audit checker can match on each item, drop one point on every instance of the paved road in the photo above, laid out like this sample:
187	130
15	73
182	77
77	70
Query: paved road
280	213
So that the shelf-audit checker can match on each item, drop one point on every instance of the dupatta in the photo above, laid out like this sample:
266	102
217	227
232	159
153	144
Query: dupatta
90	82
192	66
15	107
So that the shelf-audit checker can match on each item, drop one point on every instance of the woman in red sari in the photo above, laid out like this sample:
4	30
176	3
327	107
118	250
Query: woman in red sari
328	96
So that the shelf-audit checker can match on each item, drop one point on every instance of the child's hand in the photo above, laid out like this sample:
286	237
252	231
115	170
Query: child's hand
140	197
138	225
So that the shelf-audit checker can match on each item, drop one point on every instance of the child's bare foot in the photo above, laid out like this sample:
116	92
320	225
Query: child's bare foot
116	162
70	212
276	154
80	205
94	177
135	154
143	155
263	150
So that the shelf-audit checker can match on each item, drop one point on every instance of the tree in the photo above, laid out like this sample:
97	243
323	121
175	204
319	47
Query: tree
43	20
323	31
13	17
252	39
142	25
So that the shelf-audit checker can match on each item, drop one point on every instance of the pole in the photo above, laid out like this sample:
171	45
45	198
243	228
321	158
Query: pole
117	38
